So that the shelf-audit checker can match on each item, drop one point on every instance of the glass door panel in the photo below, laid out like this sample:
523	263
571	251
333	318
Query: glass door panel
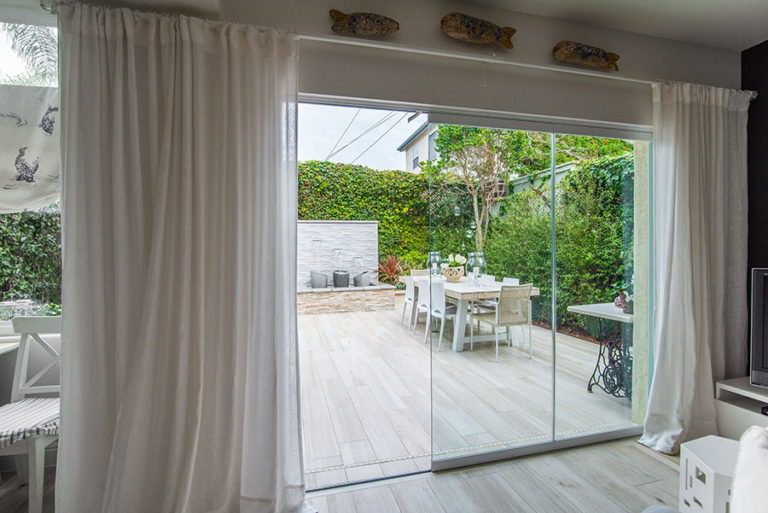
490	220
601	232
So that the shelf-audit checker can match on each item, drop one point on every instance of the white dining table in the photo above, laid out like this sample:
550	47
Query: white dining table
463	293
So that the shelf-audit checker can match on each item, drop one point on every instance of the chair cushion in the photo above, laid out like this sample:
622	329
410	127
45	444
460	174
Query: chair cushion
27	418
750	478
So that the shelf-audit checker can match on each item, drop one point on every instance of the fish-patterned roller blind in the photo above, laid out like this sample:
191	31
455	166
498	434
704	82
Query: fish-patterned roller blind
29	147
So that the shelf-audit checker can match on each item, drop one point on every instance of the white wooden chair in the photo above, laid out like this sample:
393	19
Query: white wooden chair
436	307
419	272
512	309
30	423
410	300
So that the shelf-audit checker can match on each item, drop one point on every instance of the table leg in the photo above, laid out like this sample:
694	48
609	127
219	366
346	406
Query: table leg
460	324
613	369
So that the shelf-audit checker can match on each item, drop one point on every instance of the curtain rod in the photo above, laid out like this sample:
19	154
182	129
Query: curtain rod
50	6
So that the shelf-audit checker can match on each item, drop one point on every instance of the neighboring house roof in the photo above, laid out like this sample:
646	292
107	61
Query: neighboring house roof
413	136
523	182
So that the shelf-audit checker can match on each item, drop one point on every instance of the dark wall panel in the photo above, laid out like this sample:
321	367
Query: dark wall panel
754	76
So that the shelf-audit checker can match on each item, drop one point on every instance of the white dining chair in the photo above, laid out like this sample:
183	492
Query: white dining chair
436	307
30	423
487	278
513	309
422	301
410	300
485	304
510	281
419	272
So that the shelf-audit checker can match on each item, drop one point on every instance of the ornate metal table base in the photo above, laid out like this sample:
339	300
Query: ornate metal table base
613	369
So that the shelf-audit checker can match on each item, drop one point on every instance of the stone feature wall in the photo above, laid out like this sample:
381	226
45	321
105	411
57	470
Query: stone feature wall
317	241
380	297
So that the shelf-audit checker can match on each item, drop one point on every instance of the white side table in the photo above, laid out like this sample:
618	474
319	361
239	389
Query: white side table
706	471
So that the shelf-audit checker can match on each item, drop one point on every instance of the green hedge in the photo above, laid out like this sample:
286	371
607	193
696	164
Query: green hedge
593	225
30	256
404	204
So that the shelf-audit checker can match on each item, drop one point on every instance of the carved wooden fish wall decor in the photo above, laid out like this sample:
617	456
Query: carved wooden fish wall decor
474	30
585	55
362	24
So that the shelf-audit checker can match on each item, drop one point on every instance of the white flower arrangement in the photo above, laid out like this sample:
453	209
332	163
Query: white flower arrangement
456	260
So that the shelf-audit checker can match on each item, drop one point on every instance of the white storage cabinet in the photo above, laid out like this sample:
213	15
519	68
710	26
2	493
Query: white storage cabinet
706	471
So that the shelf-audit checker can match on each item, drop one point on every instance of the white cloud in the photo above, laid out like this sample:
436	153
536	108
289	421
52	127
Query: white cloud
10	63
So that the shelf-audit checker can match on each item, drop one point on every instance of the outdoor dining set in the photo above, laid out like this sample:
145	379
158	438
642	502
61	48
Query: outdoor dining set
474	299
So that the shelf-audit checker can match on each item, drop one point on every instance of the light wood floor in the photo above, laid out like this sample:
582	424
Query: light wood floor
616	477
366	396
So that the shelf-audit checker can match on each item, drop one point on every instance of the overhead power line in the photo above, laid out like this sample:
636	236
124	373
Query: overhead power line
330	153
384	119
380	137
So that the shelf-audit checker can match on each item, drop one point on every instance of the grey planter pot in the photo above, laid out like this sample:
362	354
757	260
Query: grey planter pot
319	280
340	279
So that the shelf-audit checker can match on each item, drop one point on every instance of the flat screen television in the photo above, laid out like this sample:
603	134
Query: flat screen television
758	372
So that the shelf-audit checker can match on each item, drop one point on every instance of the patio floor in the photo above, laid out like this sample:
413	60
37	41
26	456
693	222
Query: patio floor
366	392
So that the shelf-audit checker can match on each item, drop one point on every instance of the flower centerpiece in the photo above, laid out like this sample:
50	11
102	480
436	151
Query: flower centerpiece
453	269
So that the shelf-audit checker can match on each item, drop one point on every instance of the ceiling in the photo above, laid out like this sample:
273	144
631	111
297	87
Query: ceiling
731	24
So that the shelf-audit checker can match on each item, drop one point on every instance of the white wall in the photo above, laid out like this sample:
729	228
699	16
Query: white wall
334	69
355	238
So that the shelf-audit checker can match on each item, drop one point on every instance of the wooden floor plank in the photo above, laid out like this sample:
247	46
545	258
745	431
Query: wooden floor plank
370	382
569	481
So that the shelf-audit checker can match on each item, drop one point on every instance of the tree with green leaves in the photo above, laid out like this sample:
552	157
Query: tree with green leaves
477	157
486	159
37	46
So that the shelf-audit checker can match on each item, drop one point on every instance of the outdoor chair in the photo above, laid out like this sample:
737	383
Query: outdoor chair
435	306
513	309
30	423
419	272
410	300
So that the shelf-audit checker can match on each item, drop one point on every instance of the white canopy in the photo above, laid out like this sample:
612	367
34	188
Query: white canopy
29	147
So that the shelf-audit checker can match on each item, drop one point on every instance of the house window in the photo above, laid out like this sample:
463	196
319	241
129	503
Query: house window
415	158
433	145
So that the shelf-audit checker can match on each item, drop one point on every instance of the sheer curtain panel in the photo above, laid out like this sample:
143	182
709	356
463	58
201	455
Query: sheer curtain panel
179	214
700	256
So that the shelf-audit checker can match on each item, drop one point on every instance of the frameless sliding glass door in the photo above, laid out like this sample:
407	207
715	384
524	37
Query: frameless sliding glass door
482	402
537	292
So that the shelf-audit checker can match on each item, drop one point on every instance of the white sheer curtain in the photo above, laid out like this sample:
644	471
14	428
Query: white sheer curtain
700	256
179	205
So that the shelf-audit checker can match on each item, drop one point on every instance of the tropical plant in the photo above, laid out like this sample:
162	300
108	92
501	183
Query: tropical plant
390	270
37	46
